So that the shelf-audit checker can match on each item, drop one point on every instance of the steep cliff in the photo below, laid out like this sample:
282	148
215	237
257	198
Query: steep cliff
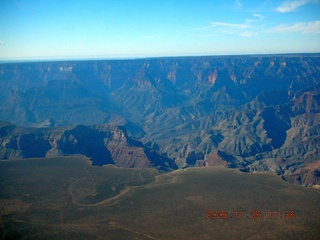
259	113
103	144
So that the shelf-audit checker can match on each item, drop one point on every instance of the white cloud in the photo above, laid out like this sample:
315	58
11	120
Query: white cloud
146	37
258	17
248	34
290	6
302	27
238	4
1	43
249	28
247	24
229	25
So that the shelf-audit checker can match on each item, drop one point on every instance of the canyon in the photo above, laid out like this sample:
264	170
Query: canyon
254	112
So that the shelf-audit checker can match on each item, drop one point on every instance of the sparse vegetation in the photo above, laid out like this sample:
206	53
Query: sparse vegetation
67	198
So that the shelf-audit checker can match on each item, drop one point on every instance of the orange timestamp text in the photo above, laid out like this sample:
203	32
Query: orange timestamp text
253	214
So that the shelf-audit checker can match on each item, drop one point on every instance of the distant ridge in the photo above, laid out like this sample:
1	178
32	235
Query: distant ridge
103	58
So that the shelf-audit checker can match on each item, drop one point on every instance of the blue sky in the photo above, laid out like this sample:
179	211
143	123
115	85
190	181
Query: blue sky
44	29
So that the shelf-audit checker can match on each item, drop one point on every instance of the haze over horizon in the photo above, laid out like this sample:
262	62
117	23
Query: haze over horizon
123	29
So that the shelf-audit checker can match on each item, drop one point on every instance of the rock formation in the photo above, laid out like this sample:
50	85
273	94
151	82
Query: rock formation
258	113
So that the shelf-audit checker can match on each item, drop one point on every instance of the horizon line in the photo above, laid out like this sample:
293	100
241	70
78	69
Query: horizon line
106	58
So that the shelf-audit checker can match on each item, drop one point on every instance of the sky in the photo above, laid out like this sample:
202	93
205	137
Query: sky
72	29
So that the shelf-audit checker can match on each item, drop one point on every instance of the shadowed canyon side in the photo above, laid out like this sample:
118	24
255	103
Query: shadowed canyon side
103	144
257	113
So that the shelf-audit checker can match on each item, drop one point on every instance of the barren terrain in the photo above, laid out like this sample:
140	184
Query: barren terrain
67	198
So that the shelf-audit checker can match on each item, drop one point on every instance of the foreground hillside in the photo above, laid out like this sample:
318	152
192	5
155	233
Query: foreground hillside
67	198
258	113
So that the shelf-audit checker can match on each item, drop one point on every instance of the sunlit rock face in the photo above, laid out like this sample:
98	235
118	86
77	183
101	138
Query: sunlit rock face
260	113
102	143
